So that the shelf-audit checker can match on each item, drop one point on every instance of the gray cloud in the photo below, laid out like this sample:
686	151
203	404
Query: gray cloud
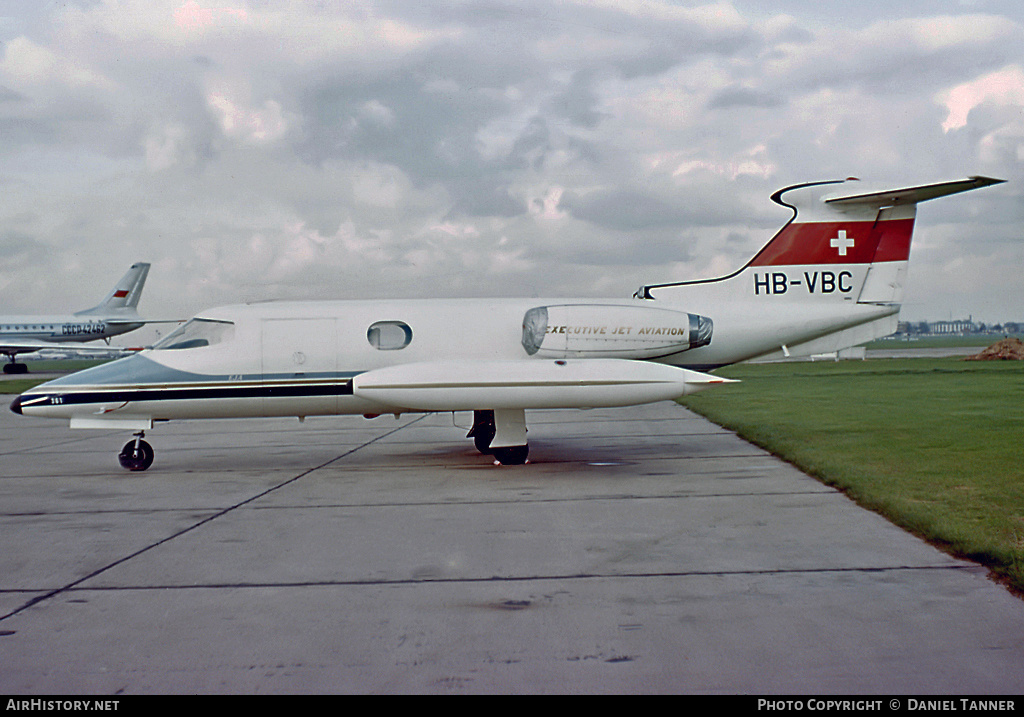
744	97
257	150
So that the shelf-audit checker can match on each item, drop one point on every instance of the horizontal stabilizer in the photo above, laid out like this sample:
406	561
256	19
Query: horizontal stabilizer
907	195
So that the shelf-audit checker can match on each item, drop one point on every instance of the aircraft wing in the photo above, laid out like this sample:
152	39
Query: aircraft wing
12	347
143	321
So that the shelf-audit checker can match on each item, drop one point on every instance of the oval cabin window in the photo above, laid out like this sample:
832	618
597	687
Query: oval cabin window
389	335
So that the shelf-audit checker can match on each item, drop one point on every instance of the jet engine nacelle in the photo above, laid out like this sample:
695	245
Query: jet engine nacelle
612	331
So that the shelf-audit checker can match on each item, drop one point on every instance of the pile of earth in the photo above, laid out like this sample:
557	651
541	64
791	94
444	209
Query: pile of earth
1004	350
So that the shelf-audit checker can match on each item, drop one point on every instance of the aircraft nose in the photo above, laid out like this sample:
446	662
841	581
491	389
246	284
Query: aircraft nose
16	405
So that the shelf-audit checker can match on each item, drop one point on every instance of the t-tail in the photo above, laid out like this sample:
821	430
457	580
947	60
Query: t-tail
832	277
124	297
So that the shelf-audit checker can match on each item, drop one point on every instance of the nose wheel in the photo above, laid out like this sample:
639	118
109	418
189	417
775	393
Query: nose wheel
137	455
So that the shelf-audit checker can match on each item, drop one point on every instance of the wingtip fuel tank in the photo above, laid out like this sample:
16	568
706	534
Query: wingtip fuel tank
528	384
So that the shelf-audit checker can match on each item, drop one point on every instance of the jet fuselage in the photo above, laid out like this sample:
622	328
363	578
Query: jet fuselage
833	277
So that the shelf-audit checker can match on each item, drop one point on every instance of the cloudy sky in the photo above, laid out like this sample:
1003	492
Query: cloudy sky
393	148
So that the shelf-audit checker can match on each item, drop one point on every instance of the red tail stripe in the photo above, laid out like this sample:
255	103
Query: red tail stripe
895	242
838	243
120	294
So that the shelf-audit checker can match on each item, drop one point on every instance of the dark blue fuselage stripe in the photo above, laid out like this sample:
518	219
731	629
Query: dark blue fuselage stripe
192	394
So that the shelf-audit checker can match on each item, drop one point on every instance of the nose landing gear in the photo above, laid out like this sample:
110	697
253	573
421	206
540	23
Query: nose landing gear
137	455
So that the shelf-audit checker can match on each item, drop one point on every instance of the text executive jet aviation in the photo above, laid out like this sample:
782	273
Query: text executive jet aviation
115	315
832	277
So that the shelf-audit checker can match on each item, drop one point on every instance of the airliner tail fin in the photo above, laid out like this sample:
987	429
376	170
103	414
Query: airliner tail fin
125	295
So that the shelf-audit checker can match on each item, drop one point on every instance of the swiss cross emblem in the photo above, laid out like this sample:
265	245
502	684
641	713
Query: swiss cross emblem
841	242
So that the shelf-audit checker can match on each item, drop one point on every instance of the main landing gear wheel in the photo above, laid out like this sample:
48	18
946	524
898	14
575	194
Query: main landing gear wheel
511	455
15	368
483	431
482	441
137	455
507	425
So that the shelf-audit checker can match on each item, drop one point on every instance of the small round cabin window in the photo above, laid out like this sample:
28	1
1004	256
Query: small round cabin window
389	335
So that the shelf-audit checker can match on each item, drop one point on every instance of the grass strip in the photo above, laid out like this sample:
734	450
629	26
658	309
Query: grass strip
934	445
20	385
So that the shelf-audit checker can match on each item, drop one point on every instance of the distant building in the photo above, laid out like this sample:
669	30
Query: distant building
956	326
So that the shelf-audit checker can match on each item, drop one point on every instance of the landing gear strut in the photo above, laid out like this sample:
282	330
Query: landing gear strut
137	455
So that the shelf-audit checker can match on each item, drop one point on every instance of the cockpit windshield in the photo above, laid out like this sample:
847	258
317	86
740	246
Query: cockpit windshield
196	333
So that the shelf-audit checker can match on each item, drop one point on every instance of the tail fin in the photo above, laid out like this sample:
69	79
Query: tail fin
845	242
124	297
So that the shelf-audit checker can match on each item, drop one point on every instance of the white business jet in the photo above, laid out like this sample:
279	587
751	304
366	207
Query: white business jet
115	315
833	277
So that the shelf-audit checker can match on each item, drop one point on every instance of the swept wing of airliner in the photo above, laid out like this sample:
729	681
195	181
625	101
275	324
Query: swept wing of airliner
832	277
115	315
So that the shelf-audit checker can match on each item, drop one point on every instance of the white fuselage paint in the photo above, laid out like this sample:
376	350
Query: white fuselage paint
832	277
288	346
